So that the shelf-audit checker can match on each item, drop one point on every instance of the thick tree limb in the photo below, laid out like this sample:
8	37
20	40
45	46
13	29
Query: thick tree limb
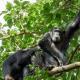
64	68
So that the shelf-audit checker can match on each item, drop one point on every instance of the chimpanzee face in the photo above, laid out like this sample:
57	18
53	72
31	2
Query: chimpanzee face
56	35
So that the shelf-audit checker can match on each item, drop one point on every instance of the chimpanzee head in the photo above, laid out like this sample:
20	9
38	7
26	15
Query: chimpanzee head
57	35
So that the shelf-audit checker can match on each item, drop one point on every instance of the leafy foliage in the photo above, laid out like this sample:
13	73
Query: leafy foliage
27	22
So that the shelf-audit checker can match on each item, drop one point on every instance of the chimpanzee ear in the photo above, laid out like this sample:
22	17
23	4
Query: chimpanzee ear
63	32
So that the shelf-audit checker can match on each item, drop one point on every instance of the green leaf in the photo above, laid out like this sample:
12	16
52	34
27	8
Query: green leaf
8	6
8	19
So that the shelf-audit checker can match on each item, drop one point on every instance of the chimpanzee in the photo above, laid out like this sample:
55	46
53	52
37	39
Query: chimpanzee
49	52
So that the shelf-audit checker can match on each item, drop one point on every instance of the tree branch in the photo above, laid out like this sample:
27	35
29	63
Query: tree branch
73	53
21	33
64	68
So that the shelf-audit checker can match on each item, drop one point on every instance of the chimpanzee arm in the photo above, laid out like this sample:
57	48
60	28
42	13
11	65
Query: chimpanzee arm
48	46
73	27
58	53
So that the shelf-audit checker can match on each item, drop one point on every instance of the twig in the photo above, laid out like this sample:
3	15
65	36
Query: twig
73	53
64	68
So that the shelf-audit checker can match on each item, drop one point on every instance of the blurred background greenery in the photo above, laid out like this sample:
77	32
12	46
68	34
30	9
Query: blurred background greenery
27	22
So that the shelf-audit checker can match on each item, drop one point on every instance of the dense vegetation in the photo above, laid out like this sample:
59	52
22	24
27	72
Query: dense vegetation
26	23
